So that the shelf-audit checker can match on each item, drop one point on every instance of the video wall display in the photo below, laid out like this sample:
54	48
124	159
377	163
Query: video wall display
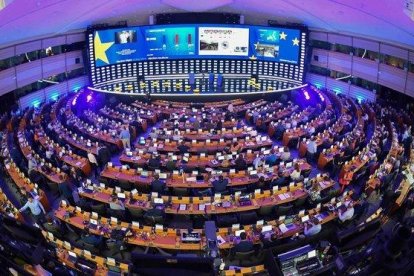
134	44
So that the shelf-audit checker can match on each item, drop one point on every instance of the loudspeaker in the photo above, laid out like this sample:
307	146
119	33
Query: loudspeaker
77	60
316	58
151	20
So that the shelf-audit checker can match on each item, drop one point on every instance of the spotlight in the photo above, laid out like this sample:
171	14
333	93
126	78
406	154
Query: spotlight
88	98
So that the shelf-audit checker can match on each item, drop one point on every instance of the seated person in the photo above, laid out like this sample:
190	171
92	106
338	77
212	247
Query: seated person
170	165
312	227
116	204
183	148
243	245
154	162
92	239
346	179
54	227
285	154
240	163
235	147
269	240
296	174
271	159
220	184
345	212
157	185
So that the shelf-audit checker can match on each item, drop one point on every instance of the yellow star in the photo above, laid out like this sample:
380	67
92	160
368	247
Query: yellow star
283	36
100	48
252	57
295	41
256	45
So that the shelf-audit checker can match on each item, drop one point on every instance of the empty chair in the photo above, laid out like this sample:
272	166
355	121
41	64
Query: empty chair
267	211
226	220
248	218
244	258
284	210
298	203
125	185
136	213
180	191
99	208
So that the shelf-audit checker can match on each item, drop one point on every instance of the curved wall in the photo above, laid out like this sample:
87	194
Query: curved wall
397	74
372	70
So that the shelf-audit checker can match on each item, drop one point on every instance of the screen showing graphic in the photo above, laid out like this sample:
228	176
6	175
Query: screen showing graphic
125	36
119	45
162	43
219	41
133	44
275	44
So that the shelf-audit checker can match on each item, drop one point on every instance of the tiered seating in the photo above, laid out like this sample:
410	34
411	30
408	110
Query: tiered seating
262	194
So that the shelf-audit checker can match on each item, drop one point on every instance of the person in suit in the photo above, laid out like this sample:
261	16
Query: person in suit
89	238
183	148
54	227
154	162
220	184
157	185
171	164
240	163
243	245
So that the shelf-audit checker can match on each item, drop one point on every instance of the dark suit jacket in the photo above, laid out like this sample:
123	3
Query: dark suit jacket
220	186
243	246
157	186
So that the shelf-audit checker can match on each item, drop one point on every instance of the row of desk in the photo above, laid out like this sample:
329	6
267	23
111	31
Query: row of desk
185	180
179	205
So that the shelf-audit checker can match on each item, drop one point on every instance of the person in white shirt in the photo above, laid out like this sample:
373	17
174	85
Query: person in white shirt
312	146
295	175
285	154
230	108
32	165
311	130
94	163
116	204
312	227
345	213
257	162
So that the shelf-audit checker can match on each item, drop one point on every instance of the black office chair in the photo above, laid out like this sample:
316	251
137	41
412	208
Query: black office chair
180	191
293	143
244	258
154	219
120	214
284	210
99	208
125	185
226	220
298	203
246	218
136	213
267	211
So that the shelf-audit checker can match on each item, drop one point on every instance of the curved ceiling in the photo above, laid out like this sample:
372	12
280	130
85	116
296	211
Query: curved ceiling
383	20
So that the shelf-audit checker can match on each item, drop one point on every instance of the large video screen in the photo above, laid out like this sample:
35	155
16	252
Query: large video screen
133	44
220	41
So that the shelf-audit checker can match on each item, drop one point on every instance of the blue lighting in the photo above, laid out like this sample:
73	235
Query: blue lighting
54	96
337	90
36	103
360	99
76	89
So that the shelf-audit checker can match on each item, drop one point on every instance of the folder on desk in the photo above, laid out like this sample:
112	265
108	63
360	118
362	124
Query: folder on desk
202	207
183	207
